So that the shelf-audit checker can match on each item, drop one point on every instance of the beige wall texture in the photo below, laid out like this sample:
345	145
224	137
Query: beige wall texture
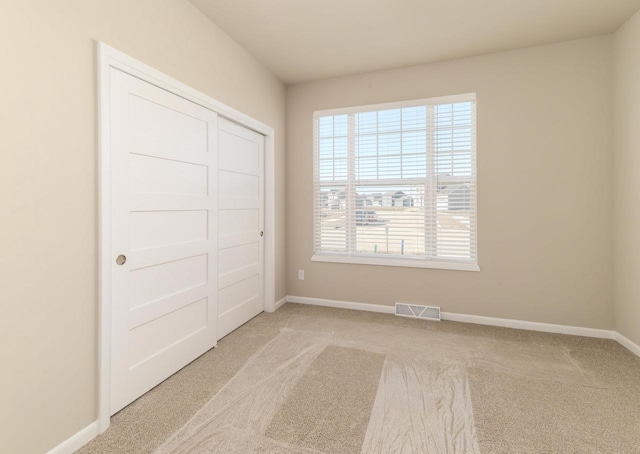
544	186
626	180
48	186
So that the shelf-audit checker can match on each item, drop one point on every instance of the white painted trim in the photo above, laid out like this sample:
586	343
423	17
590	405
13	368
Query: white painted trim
398	104
78	440
107	58
530	326
341	304
279	303
104	238
475	319
627	343
405	262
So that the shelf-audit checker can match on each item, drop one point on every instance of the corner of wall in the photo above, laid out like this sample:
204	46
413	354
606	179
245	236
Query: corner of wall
626	178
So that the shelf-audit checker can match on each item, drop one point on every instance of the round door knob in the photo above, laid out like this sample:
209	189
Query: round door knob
261	233
121	260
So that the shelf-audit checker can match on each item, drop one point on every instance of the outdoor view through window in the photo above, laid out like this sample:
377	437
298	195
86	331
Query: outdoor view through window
397	182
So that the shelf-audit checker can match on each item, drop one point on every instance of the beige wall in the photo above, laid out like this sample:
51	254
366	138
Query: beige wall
626	115
544	148
48	186
544	170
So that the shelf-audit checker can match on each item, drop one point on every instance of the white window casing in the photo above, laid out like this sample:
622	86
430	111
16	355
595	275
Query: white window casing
395	184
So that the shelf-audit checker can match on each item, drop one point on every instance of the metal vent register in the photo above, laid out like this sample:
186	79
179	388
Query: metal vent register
416	311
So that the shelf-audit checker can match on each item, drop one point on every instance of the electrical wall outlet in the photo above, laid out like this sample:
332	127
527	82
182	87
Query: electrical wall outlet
301	275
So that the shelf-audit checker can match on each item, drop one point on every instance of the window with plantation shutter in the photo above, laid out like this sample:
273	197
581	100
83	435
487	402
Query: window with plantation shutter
395	184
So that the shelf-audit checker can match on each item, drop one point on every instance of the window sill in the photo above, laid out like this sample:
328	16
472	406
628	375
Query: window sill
409	263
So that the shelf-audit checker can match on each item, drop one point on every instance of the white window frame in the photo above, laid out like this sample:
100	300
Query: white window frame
374	259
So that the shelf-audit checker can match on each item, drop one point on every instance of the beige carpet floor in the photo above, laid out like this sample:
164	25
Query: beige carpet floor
320	380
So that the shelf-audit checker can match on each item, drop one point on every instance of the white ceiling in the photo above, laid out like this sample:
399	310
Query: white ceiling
301	40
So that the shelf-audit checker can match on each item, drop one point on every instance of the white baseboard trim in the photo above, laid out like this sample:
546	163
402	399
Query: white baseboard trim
341	304
476	319
481	320
77	441
627	343
278	304
531	326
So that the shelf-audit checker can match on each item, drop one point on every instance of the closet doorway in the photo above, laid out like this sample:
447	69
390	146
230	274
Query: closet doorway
186	226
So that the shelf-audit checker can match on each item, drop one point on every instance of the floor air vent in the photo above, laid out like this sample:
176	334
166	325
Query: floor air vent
415	311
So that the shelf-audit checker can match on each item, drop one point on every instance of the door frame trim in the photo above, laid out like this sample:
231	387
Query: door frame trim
107	58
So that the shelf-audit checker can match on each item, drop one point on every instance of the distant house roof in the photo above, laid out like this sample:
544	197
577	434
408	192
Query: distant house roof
395	194
451	188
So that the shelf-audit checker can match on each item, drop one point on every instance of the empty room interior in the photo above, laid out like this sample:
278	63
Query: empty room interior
350	226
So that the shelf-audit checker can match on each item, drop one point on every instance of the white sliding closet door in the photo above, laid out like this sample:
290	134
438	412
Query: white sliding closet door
241	225
164	266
